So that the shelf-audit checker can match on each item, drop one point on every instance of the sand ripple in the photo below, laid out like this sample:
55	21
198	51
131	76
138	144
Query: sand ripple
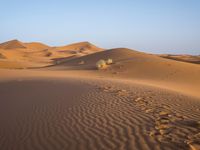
100	115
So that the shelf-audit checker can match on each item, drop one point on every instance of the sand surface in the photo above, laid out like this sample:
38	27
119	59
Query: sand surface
139	102
54	110
15	54
184	58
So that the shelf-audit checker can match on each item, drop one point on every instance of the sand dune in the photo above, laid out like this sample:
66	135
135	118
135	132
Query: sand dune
36	54
14	44
36	46
184	58
2	56
129	64
76	49
71	111
141	101
82	46
120	54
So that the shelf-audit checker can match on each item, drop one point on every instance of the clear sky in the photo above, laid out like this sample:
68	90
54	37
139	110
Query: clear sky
156	26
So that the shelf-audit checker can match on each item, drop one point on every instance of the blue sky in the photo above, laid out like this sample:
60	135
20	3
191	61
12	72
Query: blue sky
156	26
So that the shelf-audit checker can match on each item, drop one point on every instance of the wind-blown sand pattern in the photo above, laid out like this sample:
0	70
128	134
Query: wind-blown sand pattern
140	102
100	115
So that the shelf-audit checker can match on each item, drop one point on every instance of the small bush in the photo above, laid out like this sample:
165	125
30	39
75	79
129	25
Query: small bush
101	64
109	61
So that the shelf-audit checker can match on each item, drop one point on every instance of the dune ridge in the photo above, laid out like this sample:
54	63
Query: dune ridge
148	68
184	58
36	54
13	44
82	46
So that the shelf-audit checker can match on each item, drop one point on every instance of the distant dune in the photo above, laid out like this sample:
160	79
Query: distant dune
35	54
82	46
14	44
184	58
56	98
36	46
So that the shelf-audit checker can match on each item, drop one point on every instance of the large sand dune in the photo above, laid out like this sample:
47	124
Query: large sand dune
35	54
151	69
140	102
14	44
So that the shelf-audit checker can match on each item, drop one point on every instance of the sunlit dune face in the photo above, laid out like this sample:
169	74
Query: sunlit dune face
35	54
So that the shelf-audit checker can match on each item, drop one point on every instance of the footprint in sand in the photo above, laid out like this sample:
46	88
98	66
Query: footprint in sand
197	109
148	110
138	99
167	122
194	141
122	92
144	104
106	88
163	119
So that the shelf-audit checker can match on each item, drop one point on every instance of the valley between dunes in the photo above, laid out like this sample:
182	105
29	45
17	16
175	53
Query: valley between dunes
55	98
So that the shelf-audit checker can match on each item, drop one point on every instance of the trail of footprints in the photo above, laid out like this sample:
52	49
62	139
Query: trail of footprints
169	126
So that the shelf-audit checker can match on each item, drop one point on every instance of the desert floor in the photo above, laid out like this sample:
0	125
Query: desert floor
42	109
54	98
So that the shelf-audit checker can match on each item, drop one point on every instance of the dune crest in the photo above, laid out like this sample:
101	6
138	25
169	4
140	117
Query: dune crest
184	58
35	54
36	46
13	44
134	65
81	46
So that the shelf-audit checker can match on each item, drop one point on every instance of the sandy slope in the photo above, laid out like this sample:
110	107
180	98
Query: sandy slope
82	46
184	58
129	64
36	46
79	110
35	54
141	101
13	44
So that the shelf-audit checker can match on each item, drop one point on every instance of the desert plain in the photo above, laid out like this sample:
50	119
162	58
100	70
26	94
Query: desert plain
55	98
